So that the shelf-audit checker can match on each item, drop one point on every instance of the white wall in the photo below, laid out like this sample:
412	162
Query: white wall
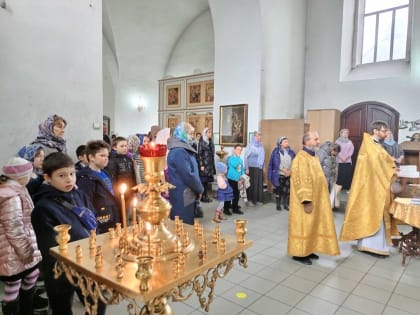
323	88
50	64
283	24
238	53
193	53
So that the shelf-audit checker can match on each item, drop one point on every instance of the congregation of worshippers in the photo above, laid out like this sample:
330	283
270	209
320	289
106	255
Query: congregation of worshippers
42	187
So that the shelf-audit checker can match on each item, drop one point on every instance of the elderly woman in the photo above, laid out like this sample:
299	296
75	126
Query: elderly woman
51	135
279	171
183	173
254	163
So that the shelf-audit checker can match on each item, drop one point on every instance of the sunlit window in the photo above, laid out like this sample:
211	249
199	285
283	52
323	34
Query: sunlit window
382	32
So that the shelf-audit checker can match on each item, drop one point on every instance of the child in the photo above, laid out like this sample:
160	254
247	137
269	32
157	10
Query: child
224	191
20	256
95	182
121	167
82	157
51	209
33	153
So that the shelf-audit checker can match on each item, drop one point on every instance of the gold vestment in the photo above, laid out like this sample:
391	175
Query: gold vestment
370	194
310	232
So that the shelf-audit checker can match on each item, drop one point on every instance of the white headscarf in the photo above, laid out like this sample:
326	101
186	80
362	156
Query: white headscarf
204	135
162	136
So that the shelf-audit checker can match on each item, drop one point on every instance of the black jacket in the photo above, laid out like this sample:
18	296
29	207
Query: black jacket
107	207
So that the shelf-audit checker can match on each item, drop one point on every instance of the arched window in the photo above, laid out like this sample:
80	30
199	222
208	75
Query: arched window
382	31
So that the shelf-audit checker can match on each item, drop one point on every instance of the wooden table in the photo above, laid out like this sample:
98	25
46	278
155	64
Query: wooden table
403	210
168	282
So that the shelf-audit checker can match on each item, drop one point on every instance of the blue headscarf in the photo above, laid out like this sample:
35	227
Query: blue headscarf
181	133
29	151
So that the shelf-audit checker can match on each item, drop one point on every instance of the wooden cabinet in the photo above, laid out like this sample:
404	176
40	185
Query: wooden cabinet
326	122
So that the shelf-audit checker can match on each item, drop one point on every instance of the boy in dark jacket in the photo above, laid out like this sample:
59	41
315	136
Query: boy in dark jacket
121	167
50	210
96	184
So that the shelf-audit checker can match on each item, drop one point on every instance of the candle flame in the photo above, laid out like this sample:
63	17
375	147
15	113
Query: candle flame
148	226
135	202
123	188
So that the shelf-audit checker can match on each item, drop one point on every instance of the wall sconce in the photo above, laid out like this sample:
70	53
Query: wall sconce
141	107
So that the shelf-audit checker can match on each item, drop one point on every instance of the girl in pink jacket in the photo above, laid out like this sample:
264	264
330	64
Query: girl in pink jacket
19	254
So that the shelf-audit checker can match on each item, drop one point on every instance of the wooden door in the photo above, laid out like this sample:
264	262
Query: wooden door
357	119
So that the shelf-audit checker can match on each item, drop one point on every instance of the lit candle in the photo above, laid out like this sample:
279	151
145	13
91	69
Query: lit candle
134	219
123	188
148	230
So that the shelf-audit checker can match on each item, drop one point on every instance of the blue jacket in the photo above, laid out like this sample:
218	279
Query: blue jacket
274	165
183	173
235	167
106	206
48	213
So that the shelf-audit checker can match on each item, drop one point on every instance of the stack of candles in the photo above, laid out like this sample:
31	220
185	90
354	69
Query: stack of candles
153	150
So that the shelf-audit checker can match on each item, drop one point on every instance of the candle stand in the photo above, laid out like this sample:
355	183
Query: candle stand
153	261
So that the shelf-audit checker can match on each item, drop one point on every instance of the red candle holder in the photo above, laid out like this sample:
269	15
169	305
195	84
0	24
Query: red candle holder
152	150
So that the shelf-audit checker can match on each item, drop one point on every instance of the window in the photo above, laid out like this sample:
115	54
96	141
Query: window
382	31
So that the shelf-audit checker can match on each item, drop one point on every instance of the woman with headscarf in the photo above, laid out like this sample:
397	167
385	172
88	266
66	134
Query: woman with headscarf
206	165
393	148
254	163
183	173
279	171
35	154
50	135
133	143
345	168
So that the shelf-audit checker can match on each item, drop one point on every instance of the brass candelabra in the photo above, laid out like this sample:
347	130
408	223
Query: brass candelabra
153	260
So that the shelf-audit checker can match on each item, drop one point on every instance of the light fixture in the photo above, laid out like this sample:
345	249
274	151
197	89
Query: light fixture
141	107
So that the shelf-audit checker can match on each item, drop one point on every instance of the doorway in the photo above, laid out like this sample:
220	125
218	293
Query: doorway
358	117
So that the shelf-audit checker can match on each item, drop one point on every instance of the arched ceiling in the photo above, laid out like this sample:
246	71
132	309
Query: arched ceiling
141	34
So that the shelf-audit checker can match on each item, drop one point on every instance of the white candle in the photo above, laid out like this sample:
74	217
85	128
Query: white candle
134	219
148	230
123	188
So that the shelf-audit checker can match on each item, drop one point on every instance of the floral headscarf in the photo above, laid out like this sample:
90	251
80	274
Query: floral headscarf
46	135
28	152
181	132
133	143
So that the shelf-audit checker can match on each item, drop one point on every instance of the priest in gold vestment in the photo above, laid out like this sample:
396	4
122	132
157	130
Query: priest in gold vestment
311	220
367	219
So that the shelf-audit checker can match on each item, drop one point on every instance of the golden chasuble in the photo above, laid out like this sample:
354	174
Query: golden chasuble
313	232
369	197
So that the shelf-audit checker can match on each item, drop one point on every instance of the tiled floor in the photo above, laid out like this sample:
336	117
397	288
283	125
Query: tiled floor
353	283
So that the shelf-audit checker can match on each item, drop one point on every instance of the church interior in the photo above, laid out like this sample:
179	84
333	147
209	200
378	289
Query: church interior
120	67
